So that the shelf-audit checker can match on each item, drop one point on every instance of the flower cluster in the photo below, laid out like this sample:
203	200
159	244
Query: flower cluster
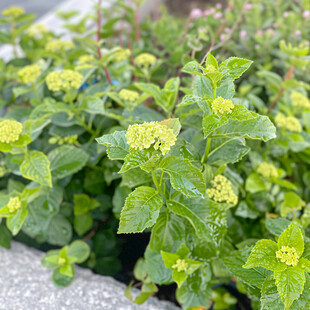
85	62
210	69
13	12
10	131
222	190
180	265
129	95
14	204
122	54
29	74
145	135
64	80
299	100
145	60
36	31
222	106
267	170
58	46
287	255
64	140
290	122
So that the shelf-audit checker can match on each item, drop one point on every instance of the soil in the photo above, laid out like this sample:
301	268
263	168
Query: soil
183	7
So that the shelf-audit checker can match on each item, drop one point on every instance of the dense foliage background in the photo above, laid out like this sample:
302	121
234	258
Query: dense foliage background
218	179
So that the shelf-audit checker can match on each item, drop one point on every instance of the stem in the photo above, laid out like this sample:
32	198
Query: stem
98	41
137	23
208	146
13	41
36	93
280	93
158	186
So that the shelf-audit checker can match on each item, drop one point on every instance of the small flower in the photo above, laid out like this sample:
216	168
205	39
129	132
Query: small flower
248	6
286	14
10	131
14	204
196	13
13	12
267	170
210	69
85	59
297	32
145	135
180	265
227	30
287	255
222	190
290	123
243	34
218	6
218	15
29	74
222	37
145	60
270	31
259	32
222	106
299	100
275	25
58	46
64	80
122	54
306	14
129	95
37	31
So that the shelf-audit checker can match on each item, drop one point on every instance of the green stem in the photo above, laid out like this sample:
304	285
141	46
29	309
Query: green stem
36	93
158	186
208	146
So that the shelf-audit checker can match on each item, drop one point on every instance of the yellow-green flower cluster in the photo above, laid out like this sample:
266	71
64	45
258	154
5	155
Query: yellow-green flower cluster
58	46
85	62
180	265
10	131
64	80
122	54
129	95
287	255
64	140
300	101
267	170
145	135
36	31
289	122
29	74
210	69
145	60
222	106
13	12
222	190
14	204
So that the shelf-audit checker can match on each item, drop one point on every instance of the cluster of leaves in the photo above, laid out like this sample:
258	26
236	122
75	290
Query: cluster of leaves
205	188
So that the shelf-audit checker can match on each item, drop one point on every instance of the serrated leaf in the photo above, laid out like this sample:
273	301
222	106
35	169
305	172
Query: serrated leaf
36	167
190	214
277	226
270	299
141	210
134	160
260	128
212	122
184	177
263	255
116	143
67	160
234	67
290	284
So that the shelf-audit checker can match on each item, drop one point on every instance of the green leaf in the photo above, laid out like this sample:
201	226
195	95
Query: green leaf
79	250
292	203
277	226
135	177
184	177
263	255
260	128
82	223
234	67
202	87
134	160
116	143
211	60
254	183
59	231
171	90
234	261
290	284
16	222
36	167
270	299
190	214
193	67
141	210
60	280
67	160
5	236
293	238
83	204
212	122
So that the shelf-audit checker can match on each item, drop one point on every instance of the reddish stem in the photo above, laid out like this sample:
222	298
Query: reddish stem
289	74
137	24
98	41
